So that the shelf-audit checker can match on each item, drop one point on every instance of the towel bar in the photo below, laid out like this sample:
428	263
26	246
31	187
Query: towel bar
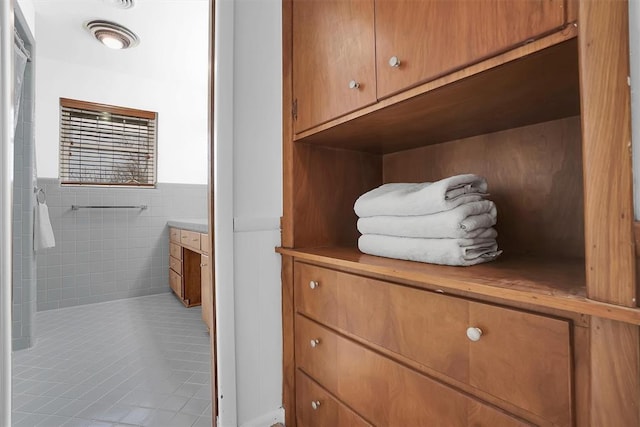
76	207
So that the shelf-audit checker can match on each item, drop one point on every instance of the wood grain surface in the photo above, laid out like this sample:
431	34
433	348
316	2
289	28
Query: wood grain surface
606	139
534	174
432	38
333	44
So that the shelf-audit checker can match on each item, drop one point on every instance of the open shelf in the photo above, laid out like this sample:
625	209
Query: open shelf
553	283
519	89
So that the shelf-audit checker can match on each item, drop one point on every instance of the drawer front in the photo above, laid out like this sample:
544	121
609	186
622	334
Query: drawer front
175	265
430	328
316	352
190	239
204	243
383	391
175	281
518	354
523	358
174	234
315	407
175	251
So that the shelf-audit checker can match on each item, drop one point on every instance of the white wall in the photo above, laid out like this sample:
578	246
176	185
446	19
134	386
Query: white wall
166	73
181	107
257	208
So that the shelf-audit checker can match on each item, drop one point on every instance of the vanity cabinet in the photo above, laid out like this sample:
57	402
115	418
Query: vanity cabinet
185	265
207	292
532	95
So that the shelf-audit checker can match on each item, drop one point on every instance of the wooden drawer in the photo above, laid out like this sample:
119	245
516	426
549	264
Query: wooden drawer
381	390
204	243
315	407
518	354
175	281
190	239
175	251
174	234
175	265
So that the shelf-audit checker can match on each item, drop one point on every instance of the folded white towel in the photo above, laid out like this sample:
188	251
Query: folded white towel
42	231
422	198
468	221
457	252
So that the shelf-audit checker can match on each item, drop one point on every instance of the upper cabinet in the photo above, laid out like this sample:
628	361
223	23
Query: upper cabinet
348	54
418	40
334	65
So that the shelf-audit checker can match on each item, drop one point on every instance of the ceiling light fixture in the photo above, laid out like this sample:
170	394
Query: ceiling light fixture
122	4
111	34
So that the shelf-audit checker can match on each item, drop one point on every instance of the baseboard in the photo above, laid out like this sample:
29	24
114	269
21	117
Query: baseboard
266	420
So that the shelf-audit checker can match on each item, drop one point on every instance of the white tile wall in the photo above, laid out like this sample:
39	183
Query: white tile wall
107	254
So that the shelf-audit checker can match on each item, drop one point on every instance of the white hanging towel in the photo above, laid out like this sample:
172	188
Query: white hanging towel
423	198
42	231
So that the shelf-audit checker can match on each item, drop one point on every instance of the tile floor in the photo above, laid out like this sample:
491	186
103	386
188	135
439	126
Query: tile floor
133	362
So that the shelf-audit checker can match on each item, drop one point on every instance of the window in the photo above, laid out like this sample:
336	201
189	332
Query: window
106	145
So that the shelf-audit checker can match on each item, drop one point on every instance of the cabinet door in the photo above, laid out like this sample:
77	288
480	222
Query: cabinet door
333	59
207	295
433	37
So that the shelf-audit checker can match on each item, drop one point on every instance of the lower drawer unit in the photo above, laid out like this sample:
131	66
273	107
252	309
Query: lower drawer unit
384	392
520	358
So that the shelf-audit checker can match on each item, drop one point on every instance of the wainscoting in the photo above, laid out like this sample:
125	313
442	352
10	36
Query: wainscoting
107	254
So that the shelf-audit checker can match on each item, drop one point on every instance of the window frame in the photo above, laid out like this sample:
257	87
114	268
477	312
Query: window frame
98	108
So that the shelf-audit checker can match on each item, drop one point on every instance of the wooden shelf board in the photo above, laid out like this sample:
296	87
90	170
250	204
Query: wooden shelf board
515	89
557	284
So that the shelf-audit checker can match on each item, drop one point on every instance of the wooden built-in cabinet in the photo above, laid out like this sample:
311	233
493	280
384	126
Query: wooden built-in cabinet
185	265
348	54
532	95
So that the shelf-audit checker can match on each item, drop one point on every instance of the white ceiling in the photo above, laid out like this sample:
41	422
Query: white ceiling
174	35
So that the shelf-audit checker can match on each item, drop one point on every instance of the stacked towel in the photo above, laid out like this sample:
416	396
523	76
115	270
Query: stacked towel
445	222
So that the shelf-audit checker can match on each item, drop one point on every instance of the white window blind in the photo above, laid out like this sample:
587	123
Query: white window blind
106	145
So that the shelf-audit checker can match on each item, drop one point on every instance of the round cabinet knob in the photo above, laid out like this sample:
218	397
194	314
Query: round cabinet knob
474	334
315	405
314	343
394	61
354	84
313	284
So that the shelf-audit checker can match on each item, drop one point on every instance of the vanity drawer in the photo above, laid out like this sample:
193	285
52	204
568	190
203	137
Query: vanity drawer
190	239
175	265
317	408
175	251
174	234
204	243
383	391
175	281
518	354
